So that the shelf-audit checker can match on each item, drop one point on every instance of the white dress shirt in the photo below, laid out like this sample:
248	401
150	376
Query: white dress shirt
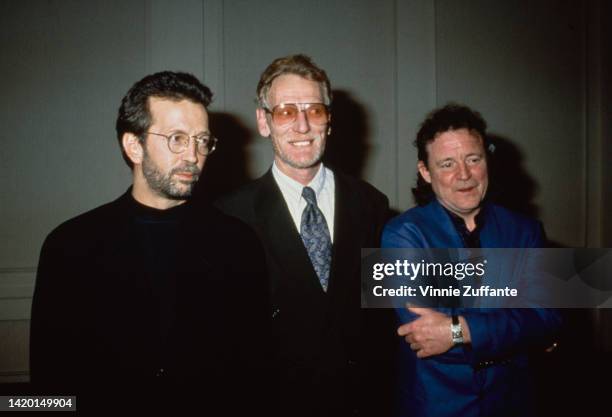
323	186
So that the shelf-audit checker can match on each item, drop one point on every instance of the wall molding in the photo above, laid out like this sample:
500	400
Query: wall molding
16	290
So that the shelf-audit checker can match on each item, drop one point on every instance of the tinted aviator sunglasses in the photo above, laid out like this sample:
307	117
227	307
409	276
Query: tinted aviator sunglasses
285	113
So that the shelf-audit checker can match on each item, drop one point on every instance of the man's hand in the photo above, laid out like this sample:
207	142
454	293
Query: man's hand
429	334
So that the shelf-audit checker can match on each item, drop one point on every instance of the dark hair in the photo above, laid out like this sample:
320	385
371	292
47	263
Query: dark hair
301	65
450	117
134	114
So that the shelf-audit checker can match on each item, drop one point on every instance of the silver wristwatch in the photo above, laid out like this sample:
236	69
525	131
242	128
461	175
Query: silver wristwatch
456	331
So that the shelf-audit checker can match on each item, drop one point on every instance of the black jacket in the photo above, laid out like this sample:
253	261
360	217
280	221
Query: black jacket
329	350
98	330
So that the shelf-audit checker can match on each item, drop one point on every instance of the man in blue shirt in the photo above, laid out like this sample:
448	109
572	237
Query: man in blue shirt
464	361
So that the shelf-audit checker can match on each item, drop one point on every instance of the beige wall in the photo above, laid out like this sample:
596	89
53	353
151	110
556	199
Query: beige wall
537	70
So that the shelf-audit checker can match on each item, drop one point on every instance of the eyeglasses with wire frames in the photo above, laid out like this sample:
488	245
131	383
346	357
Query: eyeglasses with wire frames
286	113
179	141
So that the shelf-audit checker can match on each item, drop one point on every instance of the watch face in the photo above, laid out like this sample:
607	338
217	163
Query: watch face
457	333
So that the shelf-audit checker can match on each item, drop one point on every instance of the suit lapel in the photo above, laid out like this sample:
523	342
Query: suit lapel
285	243
347	241
350	233
444	232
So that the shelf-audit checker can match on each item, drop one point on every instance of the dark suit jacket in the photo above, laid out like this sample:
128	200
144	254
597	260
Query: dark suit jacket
319	337
98	331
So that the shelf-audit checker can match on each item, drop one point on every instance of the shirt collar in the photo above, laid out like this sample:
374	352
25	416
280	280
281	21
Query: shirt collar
470	239
294	187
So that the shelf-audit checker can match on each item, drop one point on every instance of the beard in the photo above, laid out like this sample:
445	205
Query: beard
166	184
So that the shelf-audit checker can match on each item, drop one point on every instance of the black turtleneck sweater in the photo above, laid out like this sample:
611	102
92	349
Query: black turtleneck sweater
133	302
156	236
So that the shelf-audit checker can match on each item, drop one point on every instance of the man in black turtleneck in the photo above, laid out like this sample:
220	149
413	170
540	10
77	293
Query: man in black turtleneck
153	295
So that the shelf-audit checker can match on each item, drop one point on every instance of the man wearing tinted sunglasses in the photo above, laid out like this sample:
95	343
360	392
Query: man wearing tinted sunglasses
312	221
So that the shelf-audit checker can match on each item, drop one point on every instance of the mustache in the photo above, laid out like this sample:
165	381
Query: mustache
188	169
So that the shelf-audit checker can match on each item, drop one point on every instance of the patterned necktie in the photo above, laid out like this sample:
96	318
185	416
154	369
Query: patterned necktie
315	236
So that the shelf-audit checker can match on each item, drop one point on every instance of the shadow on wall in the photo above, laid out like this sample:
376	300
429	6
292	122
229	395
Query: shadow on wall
227	168
511	184
347	147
